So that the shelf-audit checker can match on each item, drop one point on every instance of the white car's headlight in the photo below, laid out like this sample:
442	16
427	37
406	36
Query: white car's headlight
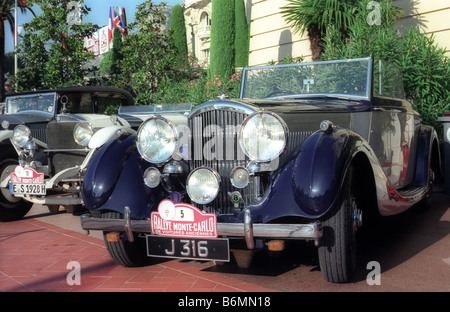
21	135
156	140
82	133
202	185
263	136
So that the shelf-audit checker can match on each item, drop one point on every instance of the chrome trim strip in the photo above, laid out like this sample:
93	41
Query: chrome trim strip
248	229
227	106
283	231
54	150
71	199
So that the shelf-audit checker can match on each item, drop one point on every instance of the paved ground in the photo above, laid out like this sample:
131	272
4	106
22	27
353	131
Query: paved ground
37	254
40	253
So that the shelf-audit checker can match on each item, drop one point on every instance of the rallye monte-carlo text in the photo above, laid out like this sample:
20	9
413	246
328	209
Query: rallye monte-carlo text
310	151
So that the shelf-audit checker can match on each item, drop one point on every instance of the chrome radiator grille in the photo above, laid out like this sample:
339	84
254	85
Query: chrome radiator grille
60	137
40	134
215	144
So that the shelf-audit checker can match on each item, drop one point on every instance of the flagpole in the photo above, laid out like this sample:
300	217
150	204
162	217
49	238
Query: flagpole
15	39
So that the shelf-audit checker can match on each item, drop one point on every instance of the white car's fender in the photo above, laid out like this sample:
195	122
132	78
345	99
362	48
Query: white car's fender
106	134
5	134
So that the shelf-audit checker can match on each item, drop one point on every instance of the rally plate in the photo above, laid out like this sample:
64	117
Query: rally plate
216	249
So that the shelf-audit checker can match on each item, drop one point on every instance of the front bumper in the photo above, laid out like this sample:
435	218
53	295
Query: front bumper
64	198
246	230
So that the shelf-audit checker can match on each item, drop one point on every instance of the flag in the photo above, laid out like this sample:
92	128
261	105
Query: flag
110	23
123	22
116	19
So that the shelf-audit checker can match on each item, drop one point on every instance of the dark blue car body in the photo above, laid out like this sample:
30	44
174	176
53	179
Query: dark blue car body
371	154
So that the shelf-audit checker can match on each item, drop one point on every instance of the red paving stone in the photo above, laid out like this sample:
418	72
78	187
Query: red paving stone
34	256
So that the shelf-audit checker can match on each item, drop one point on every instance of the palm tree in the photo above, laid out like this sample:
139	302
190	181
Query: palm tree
7	14
313	16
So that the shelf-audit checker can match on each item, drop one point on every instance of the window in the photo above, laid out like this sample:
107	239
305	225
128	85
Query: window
204	19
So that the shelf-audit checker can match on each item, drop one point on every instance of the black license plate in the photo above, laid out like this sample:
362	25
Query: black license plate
188	248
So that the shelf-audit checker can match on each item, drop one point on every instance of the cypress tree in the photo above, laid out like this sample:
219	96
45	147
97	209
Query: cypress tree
222	38
177	31
116	50
242	35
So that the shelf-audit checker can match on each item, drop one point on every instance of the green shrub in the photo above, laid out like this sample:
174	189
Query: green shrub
222	38
425	68
241	36
177	33
197	87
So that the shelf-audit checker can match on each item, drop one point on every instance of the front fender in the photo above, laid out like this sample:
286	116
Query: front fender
309	181
104	170
107	134
5	134
114	179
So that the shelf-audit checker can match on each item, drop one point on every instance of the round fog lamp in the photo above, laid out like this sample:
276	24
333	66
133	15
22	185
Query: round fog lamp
152	177
203	185
239	177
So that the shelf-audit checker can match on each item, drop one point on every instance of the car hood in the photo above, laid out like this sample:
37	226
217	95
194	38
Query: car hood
97	121
175	118
302	115
306	105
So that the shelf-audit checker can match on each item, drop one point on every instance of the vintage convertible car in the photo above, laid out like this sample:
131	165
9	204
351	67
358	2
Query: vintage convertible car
48	132
309	151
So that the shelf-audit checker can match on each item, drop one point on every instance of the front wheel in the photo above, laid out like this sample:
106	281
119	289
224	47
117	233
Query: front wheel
337	248
121	250
11	207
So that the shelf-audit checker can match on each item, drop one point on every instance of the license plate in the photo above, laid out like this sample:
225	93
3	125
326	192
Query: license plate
27	189
188	248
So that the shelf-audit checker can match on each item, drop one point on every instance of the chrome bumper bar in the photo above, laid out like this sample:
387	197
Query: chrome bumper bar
247	230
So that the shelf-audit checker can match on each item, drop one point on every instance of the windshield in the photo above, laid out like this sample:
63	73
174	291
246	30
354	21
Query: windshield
342	78
387	80
33	102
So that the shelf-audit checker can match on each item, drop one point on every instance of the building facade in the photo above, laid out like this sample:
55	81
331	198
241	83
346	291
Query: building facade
197	17
271	38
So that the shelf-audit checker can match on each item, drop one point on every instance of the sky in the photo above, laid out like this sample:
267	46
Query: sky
98	15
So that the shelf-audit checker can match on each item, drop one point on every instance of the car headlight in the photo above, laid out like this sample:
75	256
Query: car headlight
21	135
202	185
263	136
156	140
82	133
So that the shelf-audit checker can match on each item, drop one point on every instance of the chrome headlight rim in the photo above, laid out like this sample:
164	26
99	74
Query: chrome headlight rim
189	191
275	155
169	154
21	135
233	179
82	133
152	177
